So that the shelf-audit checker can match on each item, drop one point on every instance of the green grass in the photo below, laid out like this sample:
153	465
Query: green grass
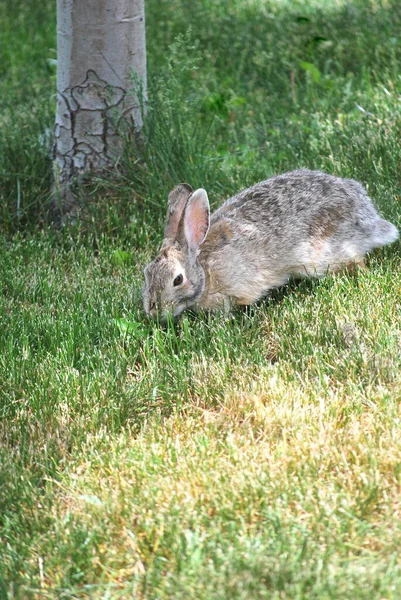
256	455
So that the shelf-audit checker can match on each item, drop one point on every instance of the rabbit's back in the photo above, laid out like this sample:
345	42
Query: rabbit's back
299	223
298	198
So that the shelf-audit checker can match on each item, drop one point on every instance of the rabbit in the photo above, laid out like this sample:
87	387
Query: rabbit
302	223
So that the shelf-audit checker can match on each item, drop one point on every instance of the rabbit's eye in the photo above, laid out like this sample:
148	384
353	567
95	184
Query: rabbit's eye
178	280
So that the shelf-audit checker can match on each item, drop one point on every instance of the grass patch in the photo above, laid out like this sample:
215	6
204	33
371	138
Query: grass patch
255	455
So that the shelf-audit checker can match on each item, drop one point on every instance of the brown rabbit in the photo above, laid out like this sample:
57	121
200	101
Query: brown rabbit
302	223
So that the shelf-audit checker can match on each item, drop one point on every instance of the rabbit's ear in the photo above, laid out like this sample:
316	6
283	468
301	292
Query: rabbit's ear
196	219
177	199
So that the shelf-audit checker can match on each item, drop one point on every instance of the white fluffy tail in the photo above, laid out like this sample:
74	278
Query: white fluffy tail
385	233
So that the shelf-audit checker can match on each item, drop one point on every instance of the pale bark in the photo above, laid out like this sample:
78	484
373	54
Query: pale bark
100	45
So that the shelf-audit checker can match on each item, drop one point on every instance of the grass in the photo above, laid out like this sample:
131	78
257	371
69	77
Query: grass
249	456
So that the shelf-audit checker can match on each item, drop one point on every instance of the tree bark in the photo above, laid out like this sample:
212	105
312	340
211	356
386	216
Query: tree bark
100	45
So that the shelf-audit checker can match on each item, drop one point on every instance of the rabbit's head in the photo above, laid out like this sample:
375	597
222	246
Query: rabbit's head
175	280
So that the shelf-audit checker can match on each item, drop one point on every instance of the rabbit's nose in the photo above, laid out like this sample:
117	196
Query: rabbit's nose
152	310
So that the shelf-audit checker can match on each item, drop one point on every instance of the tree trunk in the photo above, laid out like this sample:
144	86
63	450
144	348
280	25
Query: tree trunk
100	45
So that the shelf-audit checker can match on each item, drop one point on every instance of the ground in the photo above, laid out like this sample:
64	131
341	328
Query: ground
243	456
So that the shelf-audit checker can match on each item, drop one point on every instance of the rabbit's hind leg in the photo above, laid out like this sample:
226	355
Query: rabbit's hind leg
352	267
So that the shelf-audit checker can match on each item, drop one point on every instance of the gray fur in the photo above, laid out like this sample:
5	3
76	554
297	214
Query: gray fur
302	223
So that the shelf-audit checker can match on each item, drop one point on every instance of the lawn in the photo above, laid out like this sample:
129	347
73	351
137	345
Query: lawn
248	456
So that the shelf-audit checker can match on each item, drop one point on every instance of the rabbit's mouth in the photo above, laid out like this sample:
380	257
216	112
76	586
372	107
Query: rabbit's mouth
168	314
178	310
174	312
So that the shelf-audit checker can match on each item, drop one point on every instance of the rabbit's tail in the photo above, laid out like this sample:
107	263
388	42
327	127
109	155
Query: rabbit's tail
385	233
